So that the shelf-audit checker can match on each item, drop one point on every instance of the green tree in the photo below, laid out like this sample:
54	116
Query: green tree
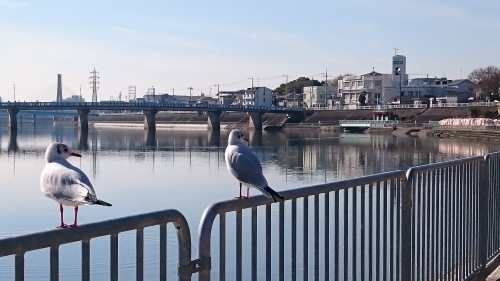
296	85
487	80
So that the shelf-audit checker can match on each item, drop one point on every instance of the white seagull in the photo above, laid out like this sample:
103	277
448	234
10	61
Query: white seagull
65	183
245	166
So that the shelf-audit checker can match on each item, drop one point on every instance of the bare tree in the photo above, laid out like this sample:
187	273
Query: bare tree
487	80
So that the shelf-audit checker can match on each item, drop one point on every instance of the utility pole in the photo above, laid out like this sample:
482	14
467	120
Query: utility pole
94	84
80	93
326	82
286	88
14	92
173	94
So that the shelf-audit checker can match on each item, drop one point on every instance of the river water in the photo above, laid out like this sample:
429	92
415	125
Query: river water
140	172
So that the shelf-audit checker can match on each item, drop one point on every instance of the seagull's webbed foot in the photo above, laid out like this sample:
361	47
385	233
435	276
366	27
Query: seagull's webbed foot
62	226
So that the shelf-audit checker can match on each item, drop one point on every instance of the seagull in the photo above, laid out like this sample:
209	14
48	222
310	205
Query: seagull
65	183
245	166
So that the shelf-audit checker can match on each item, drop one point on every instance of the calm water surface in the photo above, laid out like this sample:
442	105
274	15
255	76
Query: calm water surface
185	170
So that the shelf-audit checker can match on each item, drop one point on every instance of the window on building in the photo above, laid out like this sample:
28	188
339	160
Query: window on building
378	83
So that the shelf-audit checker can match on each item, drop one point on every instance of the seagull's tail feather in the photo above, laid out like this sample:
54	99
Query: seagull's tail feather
273	193
102	203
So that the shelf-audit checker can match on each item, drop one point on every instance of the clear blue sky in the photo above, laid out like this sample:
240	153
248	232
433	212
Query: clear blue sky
181	44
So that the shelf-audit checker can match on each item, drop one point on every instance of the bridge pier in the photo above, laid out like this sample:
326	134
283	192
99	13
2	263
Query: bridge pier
214	120
13	118
83	119
150	119
255	120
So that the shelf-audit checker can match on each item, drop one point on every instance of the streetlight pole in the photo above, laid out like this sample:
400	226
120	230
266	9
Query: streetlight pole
14	92
326	82
286	89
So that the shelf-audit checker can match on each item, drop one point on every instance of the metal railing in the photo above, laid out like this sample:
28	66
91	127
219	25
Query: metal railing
18	246
432	222
356	233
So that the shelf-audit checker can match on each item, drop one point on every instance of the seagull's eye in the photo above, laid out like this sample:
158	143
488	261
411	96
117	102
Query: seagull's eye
65	149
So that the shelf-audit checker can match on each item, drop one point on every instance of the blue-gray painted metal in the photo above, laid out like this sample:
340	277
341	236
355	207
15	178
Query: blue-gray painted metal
52	239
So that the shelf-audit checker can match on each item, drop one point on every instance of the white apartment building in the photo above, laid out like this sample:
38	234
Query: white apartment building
319	96
261	96
372	85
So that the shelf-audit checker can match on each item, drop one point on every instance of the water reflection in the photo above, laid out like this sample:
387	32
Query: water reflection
331	155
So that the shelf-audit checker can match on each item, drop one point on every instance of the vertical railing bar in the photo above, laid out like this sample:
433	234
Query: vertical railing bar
362	229
427	226
432	211
293	266
377	231
316	237
85	260
139	254
222	246
19	267
305	248
399	208
327	236
408	197
451	265
113	257
384	201
281	241
454	223
418	206
466	220
371	242
460	202
346	233
442	223
254	244
239	243
337	237
268	242
54	263
354	223
415	220
391	226
163	251
449	250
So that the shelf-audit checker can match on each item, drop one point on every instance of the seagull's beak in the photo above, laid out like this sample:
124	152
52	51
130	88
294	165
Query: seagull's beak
75	154
245	139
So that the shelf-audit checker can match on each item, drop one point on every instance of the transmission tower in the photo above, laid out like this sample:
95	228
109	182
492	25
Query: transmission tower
94	84
131	93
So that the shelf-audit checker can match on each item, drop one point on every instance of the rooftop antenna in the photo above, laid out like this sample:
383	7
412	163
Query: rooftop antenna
395	51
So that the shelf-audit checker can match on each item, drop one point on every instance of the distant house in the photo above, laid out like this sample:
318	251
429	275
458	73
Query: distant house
261	96
230	97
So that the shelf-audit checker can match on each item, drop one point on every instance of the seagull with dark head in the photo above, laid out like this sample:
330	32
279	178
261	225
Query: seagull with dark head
245	166
65	183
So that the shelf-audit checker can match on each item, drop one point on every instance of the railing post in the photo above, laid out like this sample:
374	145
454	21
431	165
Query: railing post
484	184
406	223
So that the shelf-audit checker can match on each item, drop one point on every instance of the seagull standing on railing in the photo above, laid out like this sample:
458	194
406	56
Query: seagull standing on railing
245	166
65	183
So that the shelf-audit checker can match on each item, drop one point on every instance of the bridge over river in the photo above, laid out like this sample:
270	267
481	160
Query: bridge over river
149	109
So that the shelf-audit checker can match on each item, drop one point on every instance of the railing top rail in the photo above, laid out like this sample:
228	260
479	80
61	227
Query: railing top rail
410	173
56	237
